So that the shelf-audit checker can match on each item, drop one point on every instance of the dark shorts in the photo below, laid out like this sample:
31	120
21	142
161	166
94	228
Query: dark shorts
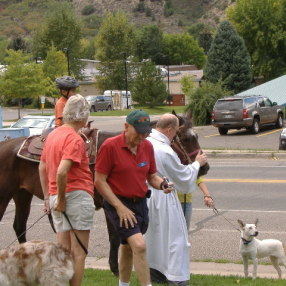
141	213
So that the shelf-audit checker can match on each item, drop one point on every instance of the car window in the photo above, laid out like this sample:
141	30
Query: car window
267	102
107	98
261	102
229	104
249	102
31	123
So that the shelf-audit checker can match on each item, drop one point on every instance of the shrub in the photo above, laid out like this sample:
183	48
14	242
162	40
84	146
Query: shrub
88	10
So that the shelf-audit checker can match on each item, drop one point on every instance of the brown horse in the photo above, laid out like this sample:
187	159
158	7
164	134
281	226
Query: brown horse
19	180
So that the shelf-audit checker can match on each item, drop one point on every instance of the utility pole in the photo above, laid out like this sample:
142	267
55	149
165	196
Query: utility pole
126	79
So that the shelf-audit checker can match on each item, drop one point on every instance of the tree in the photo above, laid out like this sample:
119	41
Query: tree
148	87
228	60
183	49
55	65
203	34
114	45
17	43
149	43
22	78
262	24
203	99
187	84
61	29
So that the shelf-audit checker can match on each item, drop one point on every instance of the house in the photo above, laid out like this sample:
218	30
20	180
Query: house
274	89
173	84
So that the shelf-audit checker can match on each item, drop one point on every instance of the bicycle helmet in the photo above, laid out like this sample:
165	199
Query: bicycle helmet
66	82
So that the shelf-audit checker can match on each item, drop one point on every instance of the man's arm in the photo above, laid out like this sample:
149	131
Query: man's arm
62	172
160	184
124	213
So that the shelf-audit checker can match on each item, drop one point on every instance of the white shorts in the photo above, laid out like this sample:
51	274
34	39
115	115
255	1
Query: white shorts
80	210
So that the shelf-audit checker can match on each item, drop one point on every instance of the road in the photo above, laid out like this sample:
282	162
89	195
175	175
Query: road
209	138
212	237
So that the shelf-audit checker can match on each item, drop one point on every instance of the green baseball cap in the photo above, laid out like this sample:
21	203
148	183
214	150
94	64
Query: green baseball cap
140	120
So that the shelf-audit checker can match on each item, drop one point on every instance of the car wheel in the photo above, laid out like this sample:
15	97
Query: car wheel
255	126
222	131
108	108
279	122
92	109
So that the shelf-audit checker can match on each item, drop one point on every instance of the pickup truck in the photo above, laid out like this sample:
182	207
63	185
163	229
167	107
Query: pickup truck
248	111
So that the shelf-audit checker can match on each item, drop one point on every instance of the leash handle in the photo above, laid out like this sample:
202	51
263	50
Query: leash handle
77	238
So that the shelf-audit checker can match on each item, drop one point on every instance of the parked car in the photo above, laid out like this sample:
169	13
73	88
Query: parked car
100	102
250	112
36	124
282	140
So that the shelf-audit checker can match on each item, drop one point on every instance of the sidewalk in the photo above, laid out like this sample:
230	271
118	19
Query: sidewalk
205	268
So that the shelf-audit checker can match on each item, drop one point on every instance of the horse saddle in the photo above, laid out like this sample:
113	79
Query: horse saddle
32	147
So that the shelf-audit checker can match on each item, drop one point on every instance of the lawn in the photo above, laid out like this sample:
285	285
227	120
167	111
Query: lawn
95	277
157	110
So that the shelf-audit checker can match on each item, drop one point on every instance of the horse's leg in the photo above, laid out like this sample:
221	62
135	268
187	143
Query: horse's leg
114	245
22	201
3	205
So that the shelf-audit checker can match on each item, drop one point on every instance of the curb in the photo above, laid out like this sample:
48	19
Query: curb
203	268
273	155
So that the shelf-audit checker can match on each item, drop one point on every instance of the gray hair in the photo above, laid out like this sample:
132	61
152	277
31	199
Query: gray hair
76	109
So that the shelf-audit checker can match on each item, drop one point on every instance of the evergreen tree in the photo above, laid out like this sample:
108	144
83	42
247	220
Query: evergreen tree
229	60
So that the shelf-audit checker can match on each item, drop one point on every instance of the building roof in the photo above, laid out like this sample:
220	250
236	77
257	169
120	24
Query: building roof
274	89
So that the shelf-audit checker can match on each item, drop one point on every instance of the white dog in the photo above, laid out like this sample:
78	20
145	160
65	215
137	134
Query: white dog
35	262
253	248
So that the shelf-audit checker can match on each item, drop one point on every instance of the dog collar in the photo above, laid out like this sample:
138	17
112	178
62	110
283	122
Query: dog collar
245	241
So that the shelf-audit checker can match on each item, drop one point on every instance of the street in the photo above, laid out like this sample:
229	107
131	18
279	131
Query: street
245	188
212	237
209	138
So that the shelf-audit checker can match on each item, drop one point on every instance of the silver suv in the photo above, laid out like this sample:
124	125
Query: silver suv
250	112
99	102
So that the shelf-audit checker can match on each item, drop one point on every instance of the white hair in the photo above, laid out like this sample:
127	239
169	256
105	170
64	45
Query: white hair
76	109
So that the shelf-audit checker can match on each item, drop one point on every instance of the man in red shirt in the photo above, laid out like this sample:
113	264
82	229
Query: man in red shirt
67	86
123	165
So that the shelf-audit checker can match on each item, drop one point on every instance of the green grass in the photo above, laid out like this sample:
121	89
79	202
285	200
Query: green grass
94	277
157	110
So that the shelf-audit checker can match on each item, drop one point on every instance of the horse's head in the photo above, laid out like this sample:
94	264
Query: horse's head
186	143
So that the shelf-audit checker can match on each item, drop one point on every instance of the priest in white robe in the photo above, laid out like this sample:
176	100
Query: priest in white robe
167	237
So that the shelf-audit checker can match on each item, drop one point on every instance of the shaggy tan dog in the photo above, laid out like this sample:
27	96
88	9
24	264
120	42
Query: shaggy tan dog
35	262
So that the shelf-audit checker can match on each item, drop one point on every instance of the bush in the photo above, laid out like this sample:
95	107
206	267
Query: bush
148	12
168	8
203	99
88	10
140	7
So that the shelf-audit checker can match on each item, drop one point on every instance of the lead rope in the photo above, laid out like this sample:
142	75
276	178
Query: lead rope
215	210
26	230
189	161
